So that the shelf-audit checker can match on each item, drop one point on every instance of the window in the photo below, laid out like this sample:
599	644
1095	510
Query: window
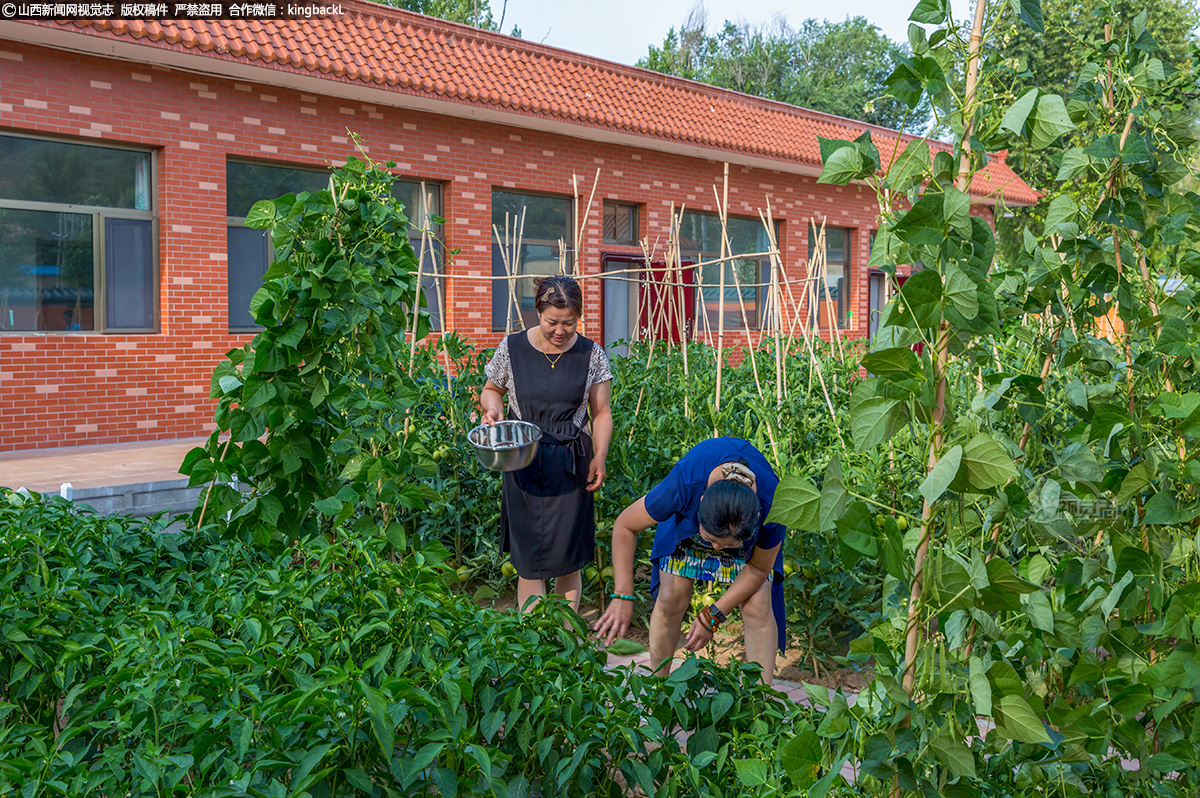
425	214
834	307
620	223
546	230
250	252
76	238
700	239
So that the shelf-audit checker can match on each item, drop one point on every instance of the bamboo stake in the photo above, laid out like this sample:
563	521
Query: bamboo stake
720	351
412	349
677	261
941	361
574	222
822	251
583	225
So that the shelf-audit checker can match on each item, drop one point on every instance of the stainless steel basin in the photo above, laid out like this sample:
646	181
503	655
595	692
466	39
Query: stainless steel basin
506	445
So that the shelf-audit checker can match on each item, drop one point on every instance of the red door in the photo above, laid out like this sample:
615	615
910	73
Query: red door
671	301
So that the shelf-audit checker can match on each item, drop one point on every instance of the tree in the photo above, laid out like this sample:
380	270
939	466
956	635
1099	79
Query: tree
835	67
477	13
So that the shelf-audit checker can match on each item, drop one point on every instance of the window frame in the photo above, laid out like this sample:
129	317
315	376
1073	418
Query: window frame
99	214
438	324
762	274
844	302
568	241
635	210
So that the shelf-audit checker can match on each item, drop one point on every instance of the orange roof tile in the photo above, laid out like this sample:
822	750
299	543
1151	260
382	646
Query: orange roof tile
410	53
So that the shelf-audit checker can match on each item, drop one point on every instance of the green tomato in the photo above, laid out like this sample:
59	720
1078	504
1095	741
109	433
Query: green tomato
902	522
508	570
464	573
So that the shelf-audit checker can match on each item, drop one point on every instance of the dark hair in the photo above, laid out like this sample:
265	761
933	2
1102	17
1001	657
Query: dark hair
729	508
560	292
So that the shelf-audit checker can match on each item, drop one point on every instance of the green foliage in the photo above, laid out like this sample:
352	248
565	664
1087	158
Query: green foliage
1038	627
138	661
836	67
311	413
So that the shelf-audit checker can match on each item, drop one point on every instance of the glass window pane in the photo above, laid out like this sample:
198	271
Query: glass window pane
831	308
35	170
432	264
836	239
620	223
701	233
547	219
409	193
47	271
249	257
535	259
247	183
128	274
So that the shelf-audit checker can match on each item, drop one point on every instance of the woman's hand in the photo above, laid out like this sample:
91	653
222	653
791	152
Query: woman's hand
697	637
596	473
492	416
614	623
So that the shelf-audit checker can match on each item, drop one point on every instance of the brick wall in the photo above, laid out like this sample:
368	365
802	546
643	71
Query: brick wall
59	390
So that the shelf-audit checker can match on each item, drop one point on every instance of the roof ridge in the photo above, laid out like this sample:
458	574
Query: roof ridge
503	40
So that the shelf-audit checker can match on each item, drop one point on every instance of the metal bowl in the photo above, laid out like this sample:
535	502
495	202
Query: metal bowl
505	445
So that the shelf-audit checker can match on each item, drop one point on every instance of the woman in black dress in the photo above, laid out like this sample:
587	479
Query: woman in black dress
553	377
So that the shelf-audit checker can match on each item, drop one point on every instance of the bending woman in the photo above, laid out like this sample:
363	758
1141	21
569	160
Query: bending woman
552	376
709	511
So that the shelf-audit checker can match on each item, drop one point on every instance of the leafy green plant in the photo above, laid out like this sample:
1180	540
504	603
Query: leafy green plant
1037	631
312	413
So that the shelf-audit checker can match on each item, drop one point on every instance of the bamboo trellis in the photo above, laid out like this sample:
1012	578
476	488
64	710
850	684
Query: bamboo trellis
791	305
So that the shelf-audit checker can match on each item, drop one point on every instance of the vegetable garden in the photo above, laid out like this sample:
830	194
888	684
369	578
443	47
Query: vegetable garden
999	526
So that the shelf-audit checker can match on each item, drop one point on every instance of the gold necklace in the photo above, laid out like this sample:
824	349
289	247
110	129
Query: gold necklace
553	362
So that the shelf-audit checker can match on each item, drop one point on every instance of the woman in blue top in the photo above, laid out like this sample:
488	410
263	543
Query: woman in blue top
709	511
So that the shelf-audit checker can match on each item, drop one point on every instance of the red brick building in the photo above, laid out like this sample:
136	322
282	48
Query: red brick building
130	152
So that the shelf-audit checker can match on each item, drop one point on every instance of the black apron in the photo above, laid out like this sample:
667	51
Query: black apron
547	515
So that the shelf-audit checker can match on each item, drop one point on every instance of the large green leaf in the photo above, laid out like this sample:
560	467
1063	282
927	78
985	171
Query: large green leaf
897	360
921	295
1050	121
751	772
985	465
910	167
873	421
796	504
941	475
961	291
981	688
1074	163
950	587
1062	217
955	756
931	12
1016	720
800	756
833	496
1030	12
924	223
1018	112
856	533
843	166
957	208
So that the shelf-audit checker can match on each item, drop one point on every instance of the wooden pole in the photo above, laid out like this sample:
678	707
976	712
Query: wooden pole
412	347
720	351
